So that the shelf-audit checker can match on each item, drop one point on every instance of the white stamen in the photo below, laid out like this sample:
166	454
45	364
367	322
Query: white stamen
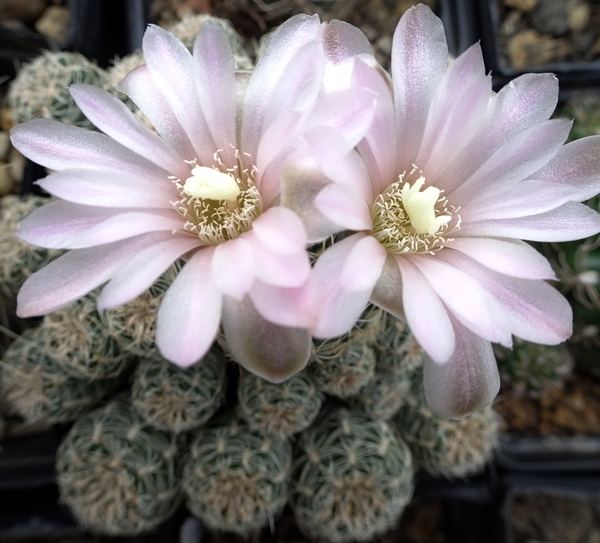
211	184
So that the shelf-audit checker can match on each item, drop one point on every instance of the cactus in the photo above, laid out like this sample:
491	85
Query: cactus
80	343
133	325
118	474
187	29
283	409
452	448
533	368
41	88
19	259
37	387
236	480
179	399
353	477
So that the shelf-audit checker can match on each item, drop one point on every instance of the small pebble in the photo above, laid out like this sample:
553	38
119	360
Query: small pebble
521	5
54	23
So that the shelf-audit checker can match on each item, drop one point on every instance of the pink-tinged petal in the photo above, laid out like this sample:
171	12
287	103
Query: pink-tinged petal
234	267
344	206
387	293
113	117
466	298
76	273
63	225
277	138
287	39
425	313
139	272
169	61
280	230
466	383
363	265
299	84
339	161
457	111
419	59
60	146
568	222
301	181
342	41
214	70
282	270
529	197
536	311
507	256
381	137
268	350
285	306
338	309
577	166
108	189
525	102
520	157
141	89
189	315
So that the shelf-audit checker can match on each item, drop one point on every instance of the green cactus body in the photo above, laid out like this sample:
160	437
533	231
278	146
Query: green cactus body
19	259
353	477
284	408
118	474
452	448
41	88
38	388
236	479
187	29
179	399
133	325
533	368
81	344
382	396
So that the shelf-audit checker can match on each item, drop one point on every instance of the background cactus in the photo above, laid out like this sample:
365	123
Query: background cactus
80	342
353	477
177	399
41	88
236	480
19	259
38	388
533	368
284	408
118	474
452	448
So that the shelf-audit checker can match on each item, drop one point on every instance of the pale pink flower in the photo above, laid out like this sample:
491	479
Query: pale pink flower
442	189
205	188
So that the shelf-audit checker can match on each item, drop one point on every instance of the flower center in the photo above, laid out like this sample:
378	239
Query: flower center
219	203
408	220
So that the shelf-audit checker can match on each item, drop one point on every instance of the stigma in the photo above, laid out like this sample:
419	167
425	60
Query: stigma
421	207
209	183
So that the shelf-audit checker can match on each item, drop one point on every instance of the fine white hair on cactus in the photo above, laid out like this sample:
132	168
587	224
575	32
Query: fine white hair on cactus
440	192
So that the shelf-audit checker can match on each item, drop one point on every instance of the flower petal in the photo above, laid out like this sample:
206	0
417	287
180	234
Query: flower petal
214	72
76	273
108	189
140	271
507	256
113	117
63	225
419	59
141	89
285	306
425	313
568	222
280	230
268	350
344	206
535	311
342	41
363	265
234	267
60	146
387	293
188	318
169	61
338	309
466	383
